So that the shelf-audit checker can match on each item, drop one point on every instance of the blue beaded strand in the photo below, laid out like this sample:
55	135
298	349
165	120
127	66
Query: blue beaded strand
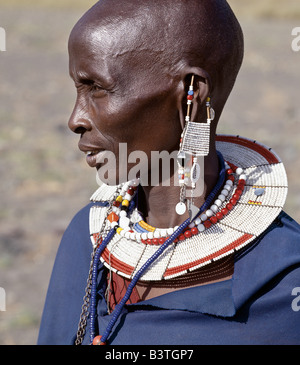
147	264
141	271
93	298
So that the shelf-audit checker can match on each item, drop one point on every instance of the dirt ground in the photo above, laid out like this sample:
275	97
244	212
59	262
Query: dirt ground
44	178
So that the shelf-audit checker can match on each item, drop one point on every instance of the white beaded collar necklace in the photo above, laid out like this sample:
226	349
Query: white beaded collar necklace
257	204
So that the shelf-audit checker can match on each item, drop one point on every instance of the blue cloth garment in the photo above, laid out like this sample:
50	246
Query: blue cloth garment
254	307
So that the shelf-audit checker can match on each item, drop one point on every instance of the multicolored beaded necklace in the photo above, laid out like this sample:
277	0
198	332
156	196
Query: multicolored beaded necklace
123	205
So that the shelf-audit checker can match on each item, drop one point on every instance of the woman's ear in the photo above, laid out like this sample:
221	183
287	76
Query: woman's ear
202	89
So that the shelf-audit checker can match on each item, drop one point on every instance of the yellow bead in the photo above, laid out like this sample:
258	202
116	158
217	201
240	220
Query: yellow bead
119	199
146	226
119	229
125	202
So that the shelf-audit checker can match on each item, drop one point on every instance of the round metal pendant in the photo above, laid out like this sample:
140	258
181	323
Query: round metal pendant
180	208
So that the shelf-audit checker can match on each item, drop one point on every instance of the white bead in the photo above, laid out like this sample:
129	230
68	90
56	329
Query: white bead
163	232
209	213
156	234
239	171
132	235
150	235
138	236
170	231
203	217
201	227
135	182
144	236
197	221
192	225
127	197
122	233
214	208
218	202
225	192
127	234
227	187
122	213
221	197
229	182
124	222
243	177
113	224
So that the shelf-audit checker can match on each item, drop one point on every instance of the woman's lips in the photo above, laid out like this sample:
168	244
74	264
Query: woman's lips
94	158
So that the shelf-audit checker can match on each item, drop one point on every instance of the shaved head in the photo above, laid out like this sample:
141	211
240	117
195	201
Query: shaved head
174	35
132	62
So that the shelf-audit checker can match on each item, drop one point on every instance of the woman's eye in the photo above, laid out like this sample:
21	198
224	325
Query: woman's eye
97	90
95	87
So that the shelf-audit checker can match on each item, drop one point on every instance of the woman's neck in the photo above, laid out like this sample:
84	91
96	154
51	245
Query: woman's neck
157	203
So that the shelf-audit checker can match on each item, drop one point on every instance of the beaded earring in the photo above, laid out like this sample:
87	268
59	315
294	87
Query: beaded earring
194	143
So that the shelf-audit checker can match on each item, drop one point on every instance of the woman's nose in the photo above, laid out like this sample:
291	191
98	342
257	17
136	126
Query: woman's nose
79	121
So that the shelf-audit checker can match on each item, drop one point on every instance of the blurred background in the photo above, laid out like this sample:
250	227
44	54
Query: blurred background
44	178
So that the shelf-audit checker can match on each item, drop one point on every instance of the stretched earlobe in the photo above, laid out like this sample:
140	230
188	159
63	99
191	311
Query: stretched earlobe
202	87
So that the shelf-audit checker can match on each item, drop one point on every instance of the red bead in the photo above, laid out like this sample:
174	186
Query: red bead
130	191
229	206
214	220
224	211
231	177
229	171
194	230
97	341
190	97
161	240
219	215
155	241
188	234
149	241
233	201
239	192
181	237
236	196
207	223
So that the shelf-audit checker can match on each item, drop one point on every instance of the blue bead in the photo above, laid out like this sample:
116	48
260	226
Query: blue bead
190	92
